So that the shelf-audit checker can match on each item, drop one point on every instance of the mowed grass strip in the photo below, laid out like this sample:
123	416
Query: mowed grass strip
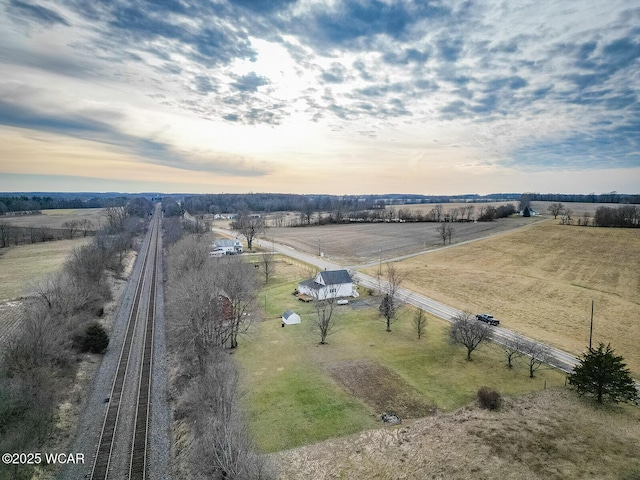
23	265
540	281
294	400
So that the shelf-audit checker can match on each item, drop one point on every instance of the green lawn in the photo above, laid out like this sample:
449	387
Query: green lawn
293	400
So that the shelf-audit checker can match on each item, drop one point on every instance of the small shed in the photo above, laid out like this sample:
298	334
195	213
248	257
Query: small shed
290	318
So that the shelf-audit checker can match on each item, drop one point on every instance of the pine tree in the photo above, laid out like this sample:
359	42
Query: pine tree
601	373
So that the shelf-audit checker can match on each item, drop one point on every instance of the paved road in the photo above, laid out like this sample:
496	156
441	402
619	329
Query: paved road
557	358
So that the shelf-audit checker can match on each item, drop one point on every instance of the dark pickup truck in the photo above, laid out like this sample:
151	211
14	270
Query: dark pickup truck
486	318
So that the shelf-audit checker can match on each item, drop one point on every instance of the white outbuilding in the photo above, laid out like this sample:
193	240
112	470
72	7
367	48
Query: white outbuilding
290	318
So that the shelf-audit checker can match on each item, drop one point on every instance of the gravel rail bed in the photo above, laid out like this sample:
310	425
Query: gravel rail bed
90	426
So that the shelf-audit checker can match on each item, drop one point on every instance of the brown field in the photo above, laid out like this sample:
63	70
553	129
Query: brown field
549	435
362	243
540	281
55	218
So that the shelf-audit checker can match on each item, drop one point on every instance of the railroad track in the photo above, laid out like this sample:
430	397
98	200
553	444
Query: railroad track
127	416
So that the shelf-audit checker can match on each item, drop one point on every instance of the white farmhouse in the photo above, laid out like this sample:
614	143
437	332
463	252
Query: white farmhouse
227	245
329	284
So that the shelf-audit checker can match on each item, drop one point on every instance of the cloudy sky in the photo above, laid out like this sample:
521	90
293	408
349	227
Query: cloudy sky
320	96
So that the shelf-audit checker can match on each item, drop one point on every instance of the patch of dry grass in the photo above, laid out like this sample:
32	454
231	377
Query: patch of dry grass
381	388
23	265
548	435
540	281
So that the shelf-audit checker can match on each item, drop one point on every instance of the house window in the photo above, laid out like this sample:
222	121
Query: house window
333	290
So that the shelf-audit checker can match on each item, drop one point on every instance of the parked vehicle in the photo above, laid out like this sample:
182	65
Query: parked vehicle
486	318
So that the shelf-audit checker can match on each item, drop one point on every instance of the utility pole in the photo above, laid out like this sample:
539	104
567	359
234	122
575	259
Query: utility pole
591	327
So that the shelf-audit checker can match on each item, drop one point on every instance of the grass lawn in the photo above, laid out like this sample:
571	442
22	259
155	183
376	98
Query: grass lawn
540	281
23	265
296	398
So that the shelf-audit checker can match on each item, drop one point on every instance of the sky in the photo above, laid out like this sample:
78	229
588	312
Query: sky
320	96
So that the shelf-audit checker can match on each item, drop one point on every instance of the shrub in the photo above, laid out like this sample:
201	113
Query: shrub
489	399
94	339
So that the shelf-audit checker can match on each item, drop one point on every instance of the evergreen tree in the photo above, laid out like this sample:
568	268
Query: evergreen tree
601	373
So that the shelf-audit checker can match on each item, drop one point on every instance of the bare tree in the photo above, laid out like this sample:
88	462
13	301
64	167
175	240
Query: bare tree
5	234
420	323
586	217
513	349
250	226
390	304
538	354
469	211
238	284
453	214
468	331
187	254
116	216
198	310
566	216
445	231
72	227
268	265
86	226
324	323
555	209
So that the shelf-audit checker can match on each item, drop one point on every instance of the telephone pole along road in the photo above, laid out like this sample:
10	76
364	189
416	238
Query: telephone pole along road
558	358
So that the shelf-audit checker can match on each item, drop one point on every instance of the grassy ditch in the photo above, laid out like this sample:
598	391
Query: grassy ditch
300	392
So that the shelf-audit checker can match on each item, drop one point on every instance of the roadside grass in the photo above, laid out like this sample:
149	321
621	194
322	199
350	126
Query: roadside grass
293	399
23	265
540	282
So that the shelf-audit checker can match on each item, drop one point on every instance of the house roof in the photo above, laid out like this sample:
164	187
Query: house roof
224	242
335	277
311	284
288	313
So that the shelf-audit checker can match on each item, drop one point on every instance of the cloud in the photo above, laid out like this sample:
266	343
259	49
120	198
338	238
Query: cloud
37	13
84	126
250	82
536	84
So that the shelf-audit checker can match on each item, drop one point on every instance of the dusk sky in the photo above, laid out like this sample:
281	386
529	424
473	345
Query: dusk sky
320	96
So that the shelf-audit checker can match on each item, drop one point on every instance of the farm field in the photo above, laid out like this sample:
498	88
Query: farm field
540	281
362	243
25	264
300	392
55	218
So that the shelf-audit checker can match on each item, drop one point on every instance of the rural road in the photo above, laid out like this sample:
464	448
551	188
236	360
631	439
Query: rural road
556	358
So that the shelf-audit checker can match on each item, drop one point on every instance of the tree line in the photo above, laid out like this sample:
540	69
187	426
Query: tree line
611	197
60	321
625	216
35	203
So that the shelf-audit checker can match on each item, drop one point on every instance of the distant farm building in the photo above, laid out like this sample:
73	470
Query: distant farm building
328	284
